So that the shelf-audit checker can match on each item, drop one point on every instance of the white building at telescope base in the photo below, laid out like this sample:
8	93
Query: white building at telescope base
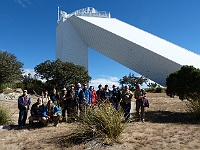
140	51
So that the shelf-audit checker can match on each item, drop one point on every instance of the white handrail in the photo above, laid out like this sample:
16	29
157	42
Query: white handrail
89	11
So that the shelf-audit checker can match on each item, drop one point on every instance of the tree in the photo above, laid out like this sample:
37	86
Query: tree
58	74
152	85
32	84
10	68
132	80
184	83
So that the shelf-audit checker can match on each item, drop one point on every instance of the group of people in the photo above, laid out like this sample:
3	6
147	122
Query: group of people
54	107
44	110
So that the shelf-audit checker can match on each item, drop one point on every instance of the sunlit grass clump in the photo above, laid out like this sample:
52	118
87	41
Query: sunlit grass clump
5	117
194	106
103	122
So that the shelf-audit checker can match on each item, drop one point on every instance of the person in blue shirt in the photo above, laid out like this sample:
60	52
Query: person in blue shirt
79	93
87	95
108	93
52	112
55	97
85	99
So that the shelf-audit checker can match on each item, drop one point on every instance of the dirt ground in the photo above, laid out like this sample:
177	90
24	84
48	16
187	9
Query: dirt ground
168	125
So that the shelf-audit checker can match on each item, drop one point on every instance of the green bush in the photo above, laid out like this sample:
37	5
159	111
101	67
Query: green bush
159	90
4	116
103	122
3	86
156	90
184	83
32	85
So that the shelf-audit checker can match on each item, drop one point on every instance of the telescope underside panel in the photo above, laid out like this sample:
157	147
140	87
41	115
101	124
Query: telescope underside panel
154	58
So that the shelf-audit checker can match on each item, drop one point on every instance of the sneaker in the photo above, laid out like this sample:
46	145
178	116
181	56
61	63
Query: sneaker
55	124
143	120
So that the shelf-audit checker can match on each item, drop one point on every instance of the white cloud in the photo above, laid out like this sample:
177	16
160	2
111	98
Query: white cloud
27	71
103	80
32	72
23	2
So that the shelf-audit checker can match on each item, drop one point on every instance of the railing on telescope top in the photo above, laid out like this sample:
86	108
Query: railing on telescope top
89	11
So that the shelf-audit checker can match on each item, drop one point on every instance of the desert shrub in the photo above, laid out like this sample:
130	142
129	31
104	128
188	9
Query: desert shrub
4	86
156	90
103	122
184	83
159	90
5	117
194	106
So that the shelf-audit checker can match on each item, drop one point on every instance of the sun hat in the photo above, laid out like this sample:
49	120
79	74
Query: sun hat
64	89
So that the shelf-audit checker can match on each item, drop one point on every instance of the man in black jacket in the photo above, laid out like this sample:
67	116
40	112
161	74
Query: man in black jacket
100	93
36	111
116	97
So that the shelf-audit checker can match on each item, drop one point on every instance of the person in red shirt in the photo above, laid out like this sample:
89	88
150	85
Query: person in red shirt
94	96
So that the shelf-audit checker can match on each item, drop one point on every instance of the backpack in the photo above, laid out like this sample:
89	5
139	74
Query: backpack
145	102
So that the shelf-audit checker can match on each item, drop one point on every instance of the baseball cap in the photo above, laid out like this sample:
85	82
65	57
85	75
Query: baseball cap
64	89
25	91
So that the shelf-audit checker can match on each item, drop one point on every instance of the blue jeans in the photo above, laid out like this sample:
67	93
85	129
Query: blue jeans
22	117
116	105
126	109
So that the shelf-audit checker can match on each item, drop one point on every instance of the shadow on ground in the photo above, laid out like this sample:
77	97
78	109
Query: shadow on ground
36	125
171	117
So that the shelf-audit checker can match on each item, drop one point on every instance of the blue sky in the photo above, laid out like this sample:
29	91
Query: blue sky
28	29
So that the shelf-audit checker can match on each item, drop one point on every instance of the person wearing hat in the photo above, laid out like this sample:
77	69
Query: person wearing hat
23	106
80	96
63	103
79	93
87	96
85	101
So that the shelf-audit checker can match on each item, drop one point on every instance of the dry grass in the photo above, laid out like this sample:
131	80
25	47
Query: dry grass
5	116
102	123
168	126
